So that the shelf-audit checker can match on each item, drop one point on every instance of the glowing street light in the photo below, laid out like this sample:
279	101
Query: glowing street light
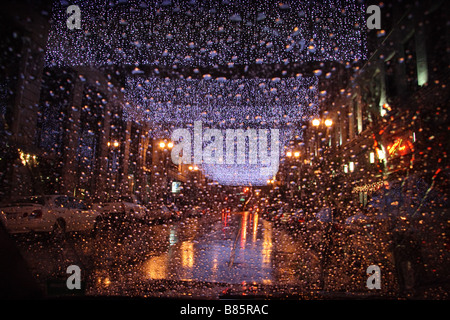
164	144
289	154
327	122
115	143
381	155
296	154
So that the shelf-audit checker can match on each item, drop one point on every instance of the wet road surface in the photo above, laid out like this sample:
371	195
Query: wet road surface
198	256
239	248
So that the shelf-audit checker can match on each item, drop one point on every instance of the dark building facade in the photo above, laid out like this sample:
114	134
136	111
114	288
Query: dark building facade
390	120
64	129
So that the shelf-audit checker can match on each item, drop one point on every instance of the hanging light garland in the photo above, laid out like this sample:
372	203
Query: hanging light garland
229	33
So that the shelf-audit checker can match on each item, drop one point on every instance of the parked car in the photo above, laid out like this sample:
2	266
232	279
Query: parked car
48	213
162	212
297	219
124	207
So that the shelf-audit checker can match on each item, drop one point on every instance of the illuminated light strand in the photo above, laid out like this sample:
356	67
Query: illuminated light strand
224	103
169	104
148	33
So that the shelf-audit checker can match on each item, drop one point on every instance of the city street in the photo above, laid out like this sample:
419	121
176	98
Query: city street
223	251
224	149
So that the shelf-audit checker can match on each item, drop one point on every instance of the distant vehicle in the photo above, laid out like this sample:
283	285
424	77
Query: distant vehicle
297	219
48	213
124	206
196	211
175	210
272	212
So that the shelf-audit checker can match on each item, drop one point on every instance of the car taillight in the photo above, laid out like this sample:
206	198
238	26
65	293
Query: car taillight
36	214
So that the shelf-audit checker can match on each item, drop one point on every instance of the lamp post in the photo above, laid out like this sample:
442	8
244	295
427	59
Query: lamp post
319	124
113	164
164	147
328	124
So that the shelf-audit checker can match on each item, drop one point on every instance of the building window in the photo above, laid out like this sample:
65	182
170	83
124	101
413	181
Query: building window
372	157
351	166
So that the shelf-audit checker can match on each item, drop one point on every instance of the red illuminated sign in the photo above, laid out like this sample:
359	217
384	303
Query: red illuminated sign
400	147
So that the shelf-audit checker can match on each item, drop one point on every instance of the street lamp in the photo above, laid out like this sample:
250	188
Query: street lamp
296	154
113	164
164	145
114	143
328	122
316	122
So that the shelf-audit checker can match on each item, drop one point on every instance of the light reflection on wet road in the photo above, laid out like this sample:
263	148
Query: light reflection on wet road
240	247
128	260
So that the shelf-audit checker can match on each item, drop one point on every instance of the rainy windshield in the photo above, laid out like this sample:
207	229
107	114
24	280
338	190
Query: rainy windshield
214	149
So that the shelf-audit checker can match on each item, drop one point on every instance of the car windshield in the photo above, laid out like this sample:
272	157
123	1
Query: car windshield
270	149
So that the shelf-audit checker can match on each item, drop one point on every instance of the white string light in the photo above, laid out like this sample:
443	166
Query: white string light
198	34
